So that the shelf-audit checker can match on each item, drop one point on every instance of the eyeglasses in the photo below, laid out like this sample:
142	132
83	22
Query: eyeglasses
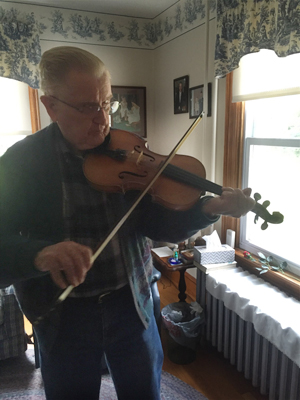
109	107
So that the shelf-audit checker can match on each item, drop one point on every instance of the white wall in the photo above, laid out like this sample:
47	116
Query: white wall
186	55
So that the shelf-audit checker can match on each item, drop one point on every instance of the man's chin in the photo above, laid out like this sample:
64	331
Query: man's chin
95	139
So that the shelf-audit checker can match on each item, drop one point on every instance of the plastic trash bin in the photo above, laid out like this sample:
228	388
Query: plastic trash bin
183	322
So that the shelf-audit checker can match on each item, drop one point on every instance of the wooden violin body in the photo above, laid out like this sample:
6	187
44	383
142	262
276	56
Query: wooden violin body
130	165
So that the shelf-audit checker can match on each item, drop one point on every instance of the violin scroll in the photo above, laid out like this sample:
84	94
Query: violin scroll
260	210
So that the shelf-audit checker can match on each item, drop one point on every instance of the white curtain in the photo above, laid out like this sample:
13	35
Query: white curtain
264	74
274	315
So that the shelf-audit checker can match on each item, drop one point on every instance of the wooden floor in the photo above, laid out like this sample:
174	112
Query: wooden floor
210	373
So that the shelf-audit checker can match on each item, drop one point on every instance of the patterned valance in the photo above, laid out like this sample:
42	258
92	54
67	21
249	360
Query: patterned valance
246	26
20	50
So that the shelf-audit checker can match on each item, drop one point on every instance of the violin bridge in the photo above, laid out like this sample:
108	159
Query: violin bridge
138	161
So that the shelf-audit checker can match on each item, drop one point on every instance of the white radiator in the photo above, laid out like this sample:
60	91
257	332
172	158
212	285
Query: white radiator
259	360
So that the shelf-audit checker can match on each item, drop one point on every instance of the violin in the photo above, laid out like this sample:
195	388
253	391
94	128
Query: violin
128	164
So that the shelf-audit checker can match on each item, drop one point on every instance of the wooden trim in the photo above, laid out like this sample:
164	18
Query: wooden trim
287	282
34	109
233	153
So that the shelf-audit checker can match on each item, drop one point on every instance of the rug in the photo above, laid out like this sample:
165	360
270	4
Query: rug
20	380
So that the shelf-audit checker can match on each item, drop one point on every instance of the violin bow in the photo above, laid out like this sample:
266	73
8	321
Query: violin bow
116	228
147	188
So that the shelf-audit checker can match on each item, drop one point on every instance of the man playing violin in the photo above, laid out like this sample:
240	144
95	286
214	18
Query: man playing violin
51	222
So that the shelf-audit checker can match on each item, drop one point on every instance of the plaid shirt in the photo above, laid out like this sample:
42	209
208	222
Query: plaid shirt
88	217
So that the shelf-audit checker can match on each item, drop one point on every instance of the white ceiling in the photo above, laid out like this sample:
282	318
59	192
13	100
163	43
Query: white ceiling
129	8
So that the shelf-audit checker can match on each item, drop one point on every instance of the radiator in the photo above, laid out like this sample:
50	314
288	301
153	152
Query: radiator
253	355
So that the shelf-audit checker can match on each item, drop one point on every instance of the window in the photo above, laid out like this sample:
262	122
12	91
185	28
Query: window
272	168
262	128
7	141
14	112
19	112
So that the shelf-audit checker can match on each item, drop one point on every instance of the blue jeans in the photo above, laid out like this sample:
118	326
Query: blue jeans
91	327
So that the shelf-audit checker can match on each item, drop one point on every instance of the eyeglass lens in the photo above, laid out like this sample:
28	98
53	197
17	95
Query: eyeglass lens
114	105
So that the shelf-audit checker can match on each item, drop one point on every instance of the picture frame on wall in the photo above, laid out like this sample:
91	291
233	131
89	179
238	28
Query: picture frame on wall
196	101
181	91
131	114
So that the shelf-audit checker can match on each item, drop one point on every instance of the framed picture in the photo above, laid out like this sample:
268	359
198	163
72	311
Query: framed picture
131	115
196	101
181	91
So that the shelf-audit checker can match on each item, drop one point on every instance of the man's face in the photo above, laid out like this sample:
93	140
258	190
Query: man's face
82	131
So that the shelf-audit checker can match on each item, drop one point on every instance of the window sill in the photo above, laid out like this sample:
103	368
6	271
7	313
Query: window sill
286	282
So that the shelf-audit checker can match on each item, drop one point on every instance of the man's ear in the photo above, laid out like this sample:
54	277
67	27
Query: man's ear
50	106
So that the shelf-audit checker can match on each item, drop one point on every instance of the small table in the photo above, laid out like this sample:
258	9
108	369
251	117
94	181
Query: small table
161	256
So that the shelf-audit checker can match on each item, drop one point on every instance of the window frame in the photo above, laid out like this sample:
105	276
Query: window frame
34	109
232	177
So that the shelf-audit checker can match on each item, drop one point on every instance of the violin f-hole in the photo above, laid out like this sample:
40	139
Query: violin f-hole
124	174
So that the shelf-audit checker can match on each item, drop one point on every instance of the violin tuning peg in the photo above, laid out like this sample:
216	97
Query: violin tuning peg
257	196
266	203
264	226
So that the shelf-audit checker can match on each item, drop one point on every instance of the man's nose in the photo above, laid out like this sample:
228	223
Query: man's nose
100	117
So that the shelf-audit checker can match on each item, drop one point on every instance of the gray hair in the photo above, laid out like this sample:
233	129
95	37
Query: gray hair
57	62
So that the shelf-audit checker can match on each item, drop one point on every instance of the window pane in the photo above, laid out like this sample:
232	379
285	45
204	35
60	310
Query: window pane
272	168
278	117
267	176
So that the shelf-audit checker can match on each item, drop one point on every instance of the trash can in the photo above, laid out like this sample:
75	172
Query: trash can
183	322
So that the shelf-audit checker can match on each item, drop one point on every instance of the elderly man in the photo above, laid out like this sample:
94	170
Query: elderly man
51	222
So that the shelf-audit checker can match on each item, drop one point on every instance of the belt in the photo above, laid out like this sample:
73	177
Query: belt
100	298
109	295
97	298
